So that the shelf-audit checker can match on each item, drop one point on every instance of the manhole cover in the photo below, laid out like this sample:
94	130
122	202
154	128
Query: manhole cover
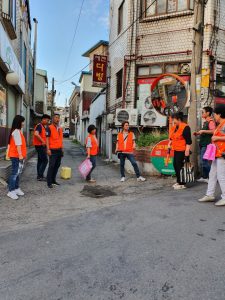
97	191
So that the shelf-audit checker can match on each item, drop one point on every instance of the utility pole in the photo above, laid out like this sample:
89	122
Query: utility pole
196	74
53	96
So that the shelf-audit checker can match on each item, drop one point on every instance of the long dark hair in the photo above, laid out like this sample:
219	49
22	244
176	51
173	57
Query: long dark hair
16	124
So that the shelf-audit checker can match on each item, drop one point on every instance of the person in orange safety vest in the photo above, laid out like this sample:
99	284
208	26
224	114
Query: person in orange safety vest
180	142
125	149
217	172
39	141
54	143
17	153
92	147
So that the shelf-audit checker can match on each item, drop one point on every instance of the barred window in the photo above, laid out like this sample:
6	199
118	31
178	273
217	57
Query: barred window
160	7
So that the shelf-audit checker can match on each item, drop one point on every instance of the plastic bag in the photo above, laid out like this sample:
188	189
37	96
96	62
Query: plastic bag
85	168
210	153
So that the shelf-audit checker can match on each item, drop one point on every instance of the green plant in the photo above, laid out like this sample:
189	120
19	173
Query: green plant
75	142
152	138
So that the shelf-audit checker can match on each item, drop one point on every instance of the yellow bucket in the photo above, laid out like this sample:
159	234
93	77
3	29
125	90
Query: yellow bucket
66	173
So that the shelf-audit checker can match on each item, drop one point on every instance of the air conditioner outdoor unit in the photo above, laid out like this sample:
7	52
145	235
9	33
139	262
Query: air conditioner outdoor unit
152	118
130	115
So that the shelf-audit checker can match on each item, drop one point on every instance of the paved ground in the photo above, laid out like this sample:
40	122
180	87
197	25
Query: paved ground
145	242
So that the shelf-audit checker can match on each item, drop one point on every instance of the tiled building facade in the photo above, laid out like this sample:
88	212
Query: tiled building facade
159	42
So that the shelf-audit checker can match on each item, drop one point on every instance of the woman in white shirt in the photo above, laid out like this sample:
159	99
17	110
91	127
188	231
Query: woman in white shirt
17	154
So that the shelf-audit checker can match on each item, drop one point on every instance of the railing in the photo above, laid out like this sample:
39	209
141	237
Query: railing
9	25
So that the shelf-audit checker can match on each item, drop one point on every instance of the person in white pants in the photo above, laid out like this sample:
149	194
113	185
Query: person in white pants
217	173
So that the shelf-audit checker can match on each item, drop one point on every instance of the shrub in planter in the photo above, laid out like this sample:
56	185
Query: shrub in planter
146	142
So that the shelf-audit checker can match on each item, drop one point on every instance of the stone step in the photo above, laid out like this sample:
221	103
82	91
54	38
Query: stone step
5	166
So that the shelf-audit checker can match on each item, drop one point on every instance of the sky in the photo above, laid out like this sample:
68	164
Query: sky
57	20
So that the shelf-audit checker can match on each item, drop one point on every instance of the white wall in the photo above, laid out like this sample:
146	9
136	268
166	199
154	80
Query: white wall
97	108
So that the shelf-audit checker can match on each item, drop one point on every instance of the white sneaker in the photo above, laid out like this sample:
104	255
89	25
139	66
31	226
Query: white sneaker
220	203
122	179
175	185
142	179
19	192
203	180
13	195
179	187
207	199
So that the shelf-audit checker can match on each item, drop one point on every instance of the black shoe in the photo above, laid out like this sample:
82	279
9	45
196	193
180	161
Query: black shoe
50	186
56	183
43	179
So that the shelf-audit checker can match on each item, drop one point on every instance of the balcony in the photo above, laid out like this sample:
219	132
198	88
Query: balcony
7	20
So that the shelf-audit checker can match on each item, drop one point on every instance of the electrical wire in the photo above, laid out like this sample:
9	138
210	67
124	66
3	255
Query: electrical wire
74	36
130	26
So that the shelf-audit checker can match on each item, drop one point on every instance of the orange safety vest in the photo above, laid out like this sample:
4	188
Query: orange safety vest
36	141
56	137
220	145
125	146
94	144
13	152
176	136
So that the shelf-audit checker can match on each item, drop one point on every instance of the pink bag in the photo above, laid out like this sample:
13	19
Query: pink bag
210	153
85	168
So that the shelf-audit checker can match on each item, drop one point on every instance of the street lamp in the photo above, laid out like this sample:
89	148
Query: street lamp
12	78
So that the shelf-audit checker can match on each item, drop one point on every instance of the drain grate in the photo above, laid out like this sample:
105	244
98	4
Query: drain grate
97	191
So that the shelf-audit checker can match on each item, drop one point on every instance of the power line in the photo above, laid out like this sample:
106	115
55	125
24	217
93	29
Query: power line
74	36
68	79
132	24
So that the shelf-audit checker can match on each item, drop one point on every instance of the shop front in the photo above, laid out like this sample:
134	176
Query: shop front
11	95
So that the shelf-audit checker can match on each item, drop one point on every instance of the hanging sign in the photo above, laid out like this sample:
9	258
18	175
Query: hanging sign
160	159
100	63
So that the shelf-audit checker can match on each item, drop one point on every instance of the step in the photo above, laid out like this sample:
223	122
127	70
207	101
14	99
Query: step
5	165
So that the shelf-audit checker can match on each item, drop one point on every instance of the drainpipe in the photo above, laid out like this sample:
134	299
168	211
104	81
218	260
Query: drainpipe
35	60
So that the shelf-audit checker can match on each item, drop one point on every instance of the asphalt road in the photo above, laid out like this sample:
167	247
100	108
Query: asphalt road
145	243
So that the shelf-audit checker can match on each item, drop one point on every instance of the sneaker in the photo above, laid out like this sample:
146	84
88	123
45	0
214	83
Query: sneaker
142	179
203	180
122	179
179	187
220	203
176	184
56	183
50	186
207	199
19	192
13	195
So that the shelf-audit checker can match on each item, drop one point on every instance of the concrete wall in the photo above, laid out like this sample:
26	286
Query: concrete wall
97	108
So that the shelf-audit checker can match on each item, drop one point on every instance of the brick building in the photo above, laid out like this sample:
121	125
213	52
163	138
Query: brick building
160	42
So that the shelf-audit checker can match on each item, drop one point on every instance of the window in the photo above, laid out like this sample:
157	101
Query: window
159	7
121	18
156	69
119	84
143	71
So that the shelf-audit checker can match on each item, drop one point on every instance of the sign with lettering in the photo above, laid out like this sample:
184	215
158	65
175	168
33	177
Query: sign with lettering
8	56
160	159
100	63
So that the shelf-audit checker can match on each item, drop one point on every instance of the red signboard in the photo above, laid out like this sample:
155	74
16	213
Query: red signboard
100	63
